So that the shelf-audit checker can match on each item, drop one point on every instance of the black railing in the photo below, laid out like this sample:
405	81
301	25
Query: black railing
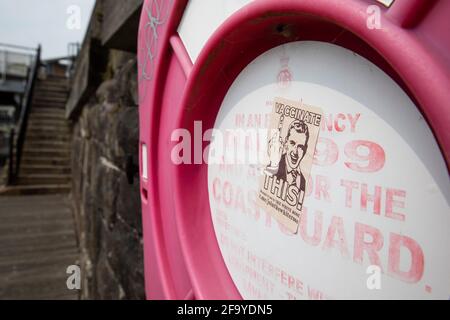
10	152
19	137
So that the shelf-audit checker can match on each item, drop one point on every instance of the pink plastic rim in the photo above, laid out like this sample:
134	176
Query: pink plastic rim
253	30
161	248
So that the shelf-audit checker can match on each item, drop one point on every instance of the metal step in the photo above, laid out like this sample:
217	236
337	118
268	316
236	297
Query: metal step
48	136
47	112
48	104
47	130
51	90
46	144
36	189
48	93
49	99
43	179
61	161
44	169
41	152
59	126
33	122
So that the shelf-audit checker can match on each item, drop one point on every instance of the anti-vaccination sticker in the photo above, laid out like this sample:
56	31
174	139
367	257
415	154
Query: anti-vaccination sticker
294	129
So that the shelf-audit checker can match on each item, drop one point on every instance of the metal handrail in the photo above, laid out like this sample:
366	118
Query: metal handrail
17	47
11	152
14	167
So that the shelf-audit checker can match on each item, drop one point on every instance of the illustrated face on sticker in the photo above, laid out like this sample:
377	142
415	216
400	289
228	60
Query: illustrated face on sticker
294	131
296	143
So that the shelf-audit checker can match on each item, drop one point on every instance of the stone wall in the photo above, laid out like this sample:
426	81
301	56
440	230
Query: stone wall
106	207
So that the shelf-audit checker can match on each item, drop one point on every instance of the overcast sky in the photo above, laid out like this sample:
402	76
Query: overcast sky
29	22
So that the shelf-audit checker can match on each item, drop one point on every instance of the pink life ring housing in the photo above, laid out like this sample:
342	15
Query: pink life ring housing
182	255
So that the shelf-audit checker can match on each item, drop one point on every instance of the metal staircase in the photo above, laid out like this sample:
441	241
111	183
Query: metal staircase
44	164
